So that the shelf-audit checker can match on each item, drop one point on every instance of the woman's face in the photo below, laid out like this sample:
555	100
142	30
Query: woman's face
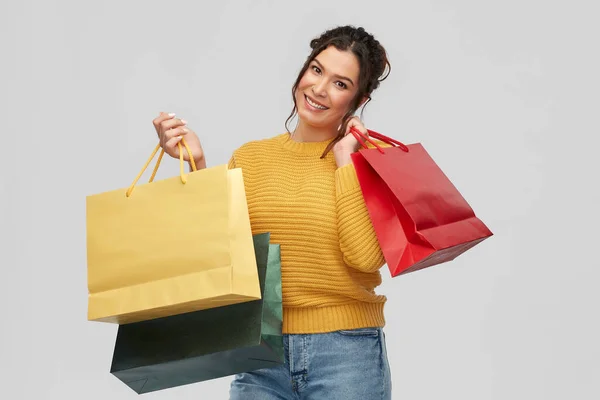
327	88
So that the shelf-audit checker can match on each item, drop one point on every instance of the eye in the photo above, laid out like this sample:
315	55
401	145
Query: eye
316	69
341	85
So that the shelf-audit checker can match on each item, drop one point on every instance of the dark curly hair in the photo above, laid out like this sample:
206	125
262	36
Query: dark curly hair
371	56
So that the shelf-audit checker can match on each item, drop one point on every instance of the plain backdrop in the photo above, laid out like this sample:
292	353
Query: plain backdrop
503	94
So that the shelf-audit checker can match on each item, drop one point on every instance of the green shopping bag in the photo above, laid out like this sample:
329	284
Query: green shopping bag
202	345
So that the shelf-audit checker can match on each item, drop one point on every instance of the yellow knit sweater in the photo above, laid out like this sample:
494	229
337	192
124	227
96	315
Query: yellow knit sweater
330	257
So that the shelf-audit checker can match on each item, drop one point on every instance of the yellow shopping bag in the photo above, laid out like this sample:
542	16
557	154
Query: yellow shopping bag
168	247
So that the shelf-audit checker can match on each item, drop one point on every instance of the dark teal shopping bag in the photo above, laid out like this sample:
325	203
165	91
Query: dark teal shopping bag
198	346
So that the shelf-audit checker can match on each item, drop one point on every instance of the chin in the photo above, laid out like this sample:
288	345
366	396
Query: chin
310	120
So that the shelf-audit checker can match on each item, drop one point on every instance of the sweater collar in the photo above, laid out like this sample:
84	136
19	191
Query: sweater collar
312	148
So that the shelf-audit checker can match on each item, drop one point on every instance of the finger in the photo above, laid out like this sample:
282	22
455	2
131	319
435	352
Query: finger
171	147
162	117
179	131
172	123
352	122
356	123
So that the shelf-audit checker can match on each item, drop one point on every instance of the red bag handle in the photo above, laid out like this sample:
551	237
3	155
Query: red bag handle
372	134
360	137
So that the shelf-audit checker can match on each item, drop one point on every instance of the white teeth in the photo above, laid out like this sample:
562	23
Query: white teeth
315	105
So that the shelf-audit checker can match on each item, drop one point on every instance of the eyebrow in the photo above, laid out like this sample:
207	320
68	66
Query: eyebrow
336	75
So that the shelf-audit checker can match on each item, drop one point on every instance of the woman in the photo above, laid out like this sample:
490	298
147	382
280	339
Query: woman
302	188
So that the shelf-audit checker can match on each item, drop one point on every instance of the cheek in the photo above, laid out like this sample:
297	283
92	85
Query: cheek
341	100
305	82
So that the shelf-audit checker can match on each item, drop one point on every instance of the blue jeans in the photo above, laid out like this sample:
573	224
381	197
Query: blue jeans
348	365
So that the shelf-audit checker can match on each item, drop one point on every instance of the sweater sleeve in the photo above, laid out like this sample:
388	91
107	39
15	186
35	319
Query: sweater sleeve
358	241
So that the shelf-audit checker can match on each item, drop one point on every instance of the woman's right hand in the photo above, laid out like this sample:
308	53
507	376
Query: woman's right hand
171	130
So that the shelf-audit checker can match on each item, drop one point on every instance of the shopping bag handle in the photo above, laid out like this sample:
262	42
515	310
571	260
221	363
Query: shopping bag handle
376	135
162	152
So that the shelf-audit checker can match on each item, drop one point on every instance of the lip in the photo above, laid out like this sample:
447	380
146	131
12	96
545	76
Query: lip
314	101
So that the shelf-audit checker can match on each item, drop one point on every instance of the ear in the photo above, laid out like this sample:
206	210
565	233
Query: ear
364	100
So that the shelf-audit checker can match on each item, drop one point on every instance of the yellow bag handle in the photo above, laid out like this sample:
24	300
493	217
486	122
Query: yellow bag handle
162	152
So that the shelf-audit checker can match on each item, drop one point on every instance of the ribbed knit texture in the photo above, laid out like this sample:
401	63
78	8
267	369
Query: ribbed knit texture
330	257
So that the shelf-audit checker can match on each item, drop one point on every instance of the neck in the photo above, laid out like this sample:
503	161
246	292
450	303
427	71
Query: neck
307	133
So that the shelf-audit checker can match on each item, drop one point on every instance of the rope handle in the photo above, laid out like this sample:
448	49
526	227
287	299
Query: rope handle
162	152
372	134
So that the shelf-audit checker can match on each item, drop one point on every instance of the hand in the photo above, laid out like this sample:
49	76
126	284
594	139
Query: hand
171	130
348	144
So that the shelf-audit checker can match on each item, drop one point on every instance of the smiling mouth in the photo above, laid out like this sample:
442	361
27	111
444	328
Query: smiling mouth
315	104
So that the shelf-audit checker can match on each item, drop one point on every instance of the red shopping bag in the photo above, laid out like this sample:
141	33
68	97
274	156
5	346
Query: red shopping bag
418	215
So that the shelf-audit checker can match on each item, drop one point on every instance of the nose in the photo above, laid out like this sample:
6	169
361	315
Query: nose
318	88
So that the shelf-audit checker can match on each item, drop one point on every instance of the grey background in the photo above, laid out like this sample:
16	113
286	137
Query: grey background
504	95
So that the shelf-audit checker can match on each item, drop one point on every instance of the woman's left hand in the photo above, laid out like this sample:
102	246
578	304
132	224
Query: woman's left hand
349	144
